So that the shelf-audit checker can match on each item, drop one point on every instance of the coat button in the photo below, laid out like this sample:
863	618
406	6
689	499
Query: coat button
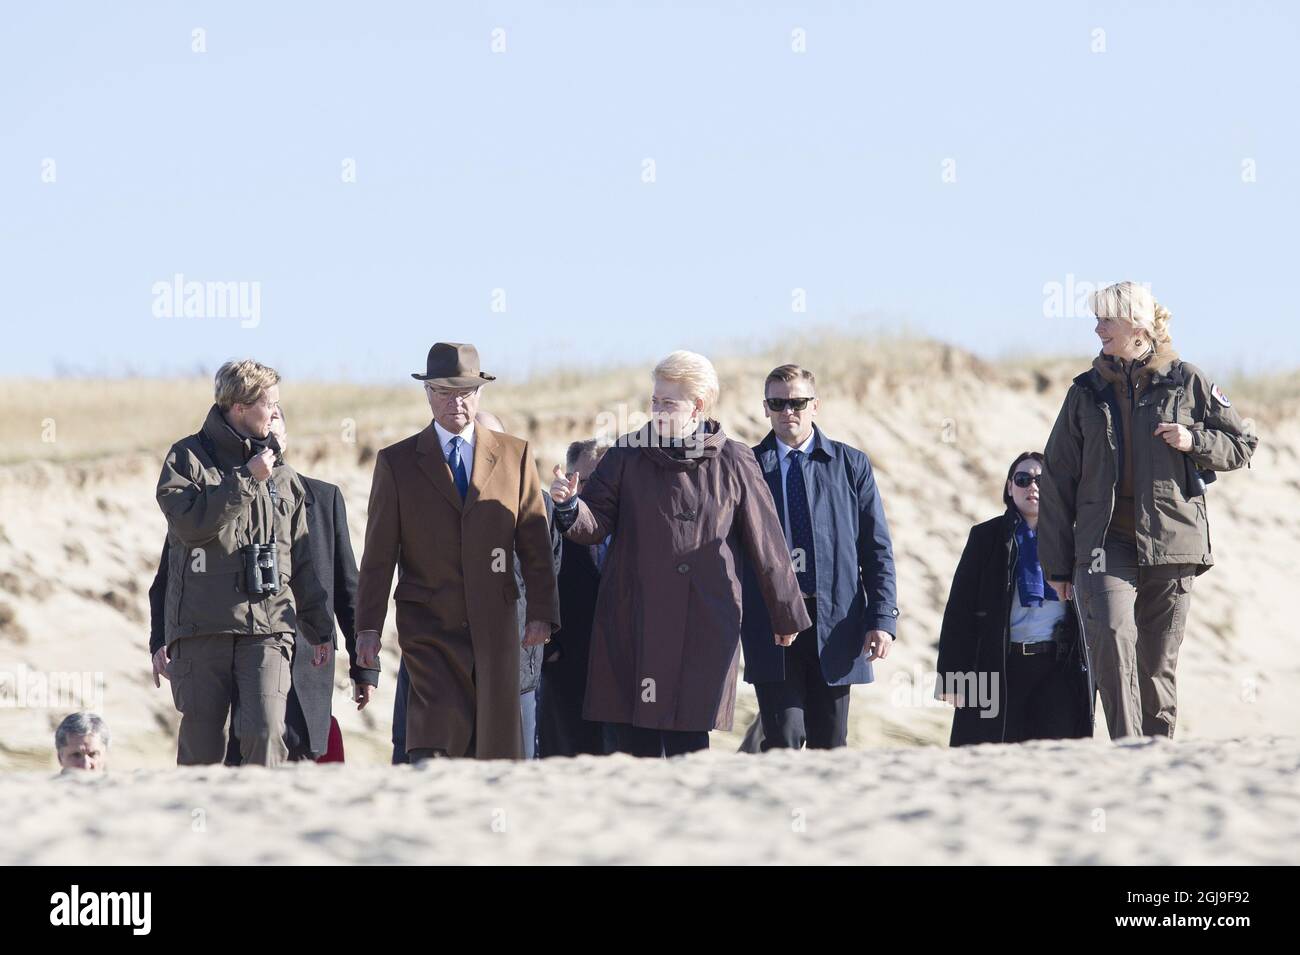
464	624
683	568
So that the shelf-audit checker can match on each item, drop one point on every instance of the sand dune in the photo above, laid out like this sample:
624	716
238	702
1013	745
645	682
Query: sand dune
80	532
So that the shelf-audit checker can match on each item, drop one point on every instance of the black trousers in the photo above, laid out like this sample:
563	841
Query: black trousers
802	709
561	730
1040	698
640	741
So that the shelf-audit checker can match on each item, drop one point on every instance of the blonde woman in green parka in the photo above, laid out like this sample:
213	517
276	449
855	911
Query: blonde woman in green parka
1123	527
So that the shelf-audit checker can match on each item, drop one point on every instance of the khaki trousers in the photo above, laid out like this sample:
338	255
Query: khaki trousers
1133	619
205	671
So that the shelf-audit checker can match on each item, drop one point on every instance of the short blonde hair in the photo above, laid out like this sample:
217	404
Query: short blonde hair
242	382
1134	305
695	372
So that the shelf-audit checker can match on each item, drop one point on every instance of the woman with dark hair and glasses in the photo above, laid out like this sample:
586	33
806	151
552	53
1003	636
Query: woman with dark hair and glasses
1010	657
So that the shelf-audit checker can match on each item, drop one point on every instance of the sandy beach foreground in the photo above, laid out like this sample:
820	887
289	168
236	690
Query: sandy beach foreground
1078	802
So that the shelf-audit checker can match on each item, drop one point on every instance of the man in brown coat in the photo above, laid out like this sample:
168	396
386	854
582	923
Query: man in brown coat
450	508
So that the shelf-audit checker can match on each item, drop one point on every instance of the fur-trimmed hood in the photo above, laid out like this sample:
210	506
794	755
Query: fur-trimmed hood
1158	361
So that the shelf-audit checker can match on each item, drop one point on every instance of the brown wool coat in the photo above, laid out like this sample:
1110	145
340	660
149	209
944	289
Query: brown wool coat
668	609
456	593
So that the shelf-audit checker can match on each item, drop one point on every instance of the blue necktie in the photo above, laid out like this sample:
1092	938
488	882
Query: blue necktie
458	467
801	530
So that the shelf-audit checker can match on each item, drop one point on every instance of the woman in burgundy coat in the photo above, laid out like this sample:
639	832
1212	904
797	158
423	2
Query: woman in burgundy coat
685	506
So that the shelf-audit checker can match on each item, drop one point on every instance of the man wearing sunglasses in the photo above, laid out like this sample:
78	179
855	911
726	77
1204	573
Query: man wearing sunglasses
834	522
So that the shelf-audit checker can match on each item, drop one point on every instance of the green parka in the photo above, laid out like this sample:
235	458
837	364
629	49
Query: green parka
213	508
1084	464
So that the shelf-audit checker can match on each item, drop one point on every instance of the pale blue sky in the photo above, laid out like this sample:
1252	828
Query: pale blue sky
522	171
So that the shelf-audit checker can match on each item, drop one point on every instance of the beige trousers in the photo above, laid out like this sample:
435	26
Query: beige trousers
1133	619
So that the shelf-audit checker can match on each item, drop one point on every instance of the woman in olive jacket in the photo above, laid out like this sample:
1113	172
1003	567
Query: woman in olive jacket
1010	657
1124	527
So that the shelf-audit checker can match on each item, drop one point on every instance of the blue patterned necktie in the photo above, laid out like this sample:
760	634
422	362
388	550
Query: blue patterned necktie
801	530
458	467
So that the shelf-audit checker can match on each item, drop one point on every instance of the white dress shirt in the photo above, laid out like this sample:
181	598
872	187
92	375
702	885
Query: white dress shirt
783	454
466	449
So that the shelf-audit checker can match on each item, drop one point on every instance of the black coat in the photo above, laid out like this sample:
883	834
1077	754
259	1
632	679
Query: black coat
977	631
561	729
331	550
579	582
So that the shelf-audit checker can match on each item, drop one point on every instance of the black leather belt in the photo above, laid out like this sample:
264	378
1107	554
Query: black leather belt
1033	649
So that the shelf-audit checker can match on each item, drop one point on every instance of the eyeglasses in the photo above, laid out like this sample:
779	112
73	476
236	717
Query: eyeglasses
780	404
1024	479
448	394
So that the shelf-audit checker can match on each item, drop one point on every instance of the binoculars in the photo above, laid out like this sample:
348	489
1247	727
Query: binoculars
1197	480
261	569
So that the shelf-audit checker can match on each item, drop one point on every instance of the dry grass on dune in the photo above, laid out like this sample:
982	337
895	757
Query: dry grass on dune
75	419
97	418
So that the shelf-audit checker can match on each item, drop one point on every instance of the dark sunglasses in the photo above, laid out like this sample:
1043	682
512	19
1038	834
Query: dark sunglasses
1024	479
780	404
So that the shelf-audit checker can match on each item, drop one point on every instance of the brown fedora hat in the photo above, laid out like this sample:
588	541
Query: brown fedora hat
453	365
